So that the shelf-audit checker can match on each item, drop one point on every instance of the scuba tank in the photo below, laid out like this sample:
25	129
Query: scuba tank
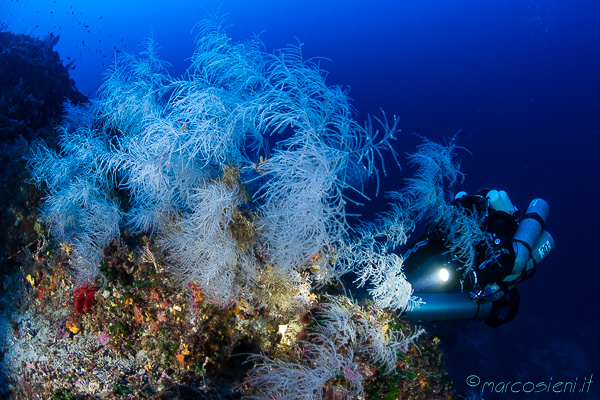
499	201
528	234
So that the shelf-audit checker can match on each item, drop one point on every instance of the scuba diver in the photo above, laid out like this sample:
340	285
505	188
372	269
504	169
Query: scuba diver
486	289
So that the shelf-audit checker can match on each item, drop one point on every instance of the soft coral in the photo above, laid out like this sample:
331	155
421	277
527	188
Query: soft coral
84	299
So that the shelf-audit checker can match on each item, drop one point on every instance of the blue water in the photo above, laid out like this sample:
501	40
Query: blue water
520	80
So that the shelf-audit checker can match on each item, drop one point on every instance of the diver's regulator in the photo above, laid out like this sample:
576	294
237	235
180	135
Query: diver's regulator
510	254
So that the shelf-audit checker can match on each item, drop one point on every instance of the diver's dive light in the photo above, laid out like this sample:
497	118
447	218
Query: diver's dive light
449	292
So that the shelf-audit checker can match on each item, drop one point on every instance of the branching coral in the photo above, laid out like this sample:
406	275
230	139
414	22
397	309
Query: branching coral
338	354
164	146
427	195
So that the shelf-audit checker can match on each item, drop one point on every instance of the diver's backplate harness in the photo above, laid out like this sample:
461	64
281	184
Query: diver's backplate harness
514	245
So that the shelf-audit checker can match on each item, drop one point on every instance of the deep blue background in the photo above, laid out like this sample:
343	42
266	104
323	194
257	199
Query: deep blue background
519	78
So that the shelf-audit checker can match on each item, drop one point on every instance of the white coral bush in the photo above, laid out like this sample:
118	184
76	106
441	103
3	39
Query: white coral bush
150	155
